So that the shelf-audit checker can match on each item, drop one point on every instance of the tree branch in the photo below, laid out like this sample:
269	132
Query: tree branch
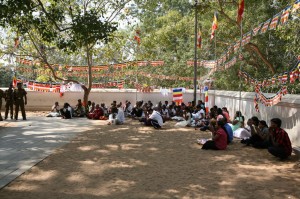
253	47
47	63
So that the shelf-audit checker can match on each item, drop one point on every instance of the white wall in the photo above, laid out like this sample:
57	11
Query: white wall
288	110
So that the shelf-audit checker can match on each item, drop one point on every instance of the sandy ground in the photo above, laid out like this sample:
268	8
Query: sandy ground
133	161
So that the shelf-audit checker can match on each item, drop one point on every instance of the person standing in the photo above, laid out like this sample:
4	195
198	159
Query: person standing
9	98
20	100
1	95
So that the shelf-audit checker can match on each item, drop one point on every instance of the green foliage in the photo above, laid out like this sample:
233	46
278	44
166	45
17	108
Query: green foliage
6	76
64	31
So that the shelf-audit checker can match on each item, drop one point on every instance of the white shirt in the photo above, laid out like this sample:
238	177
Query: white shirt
198	115
129	108
120	116
156	116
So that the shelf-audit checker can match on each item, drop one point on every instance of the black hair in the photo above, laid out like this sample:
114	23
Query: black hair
263	122
255	120
277	121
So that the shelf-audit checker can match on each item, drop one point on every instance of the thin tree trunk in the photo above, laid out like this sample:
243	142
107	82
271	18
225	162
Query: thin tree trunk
88	89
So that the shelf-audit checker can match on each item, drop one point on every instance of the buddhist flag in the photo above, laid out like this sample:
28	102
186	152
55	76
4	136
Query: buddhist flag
274	22
206	99
256	103
199	39
137	37
177	95
214	26
257	29
240	11
285	15
265	26
296	6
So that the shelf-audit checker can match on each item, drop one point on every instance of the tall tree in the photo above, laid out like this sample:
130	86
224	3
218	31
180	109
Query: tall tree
70	26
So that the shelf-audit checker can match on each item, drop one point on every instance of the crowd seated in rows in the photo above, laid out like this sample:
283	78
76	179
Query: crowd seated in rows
255	133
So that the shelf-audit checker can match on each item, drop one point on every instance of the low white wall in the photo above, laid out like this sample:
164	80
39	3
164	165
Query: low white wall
288	109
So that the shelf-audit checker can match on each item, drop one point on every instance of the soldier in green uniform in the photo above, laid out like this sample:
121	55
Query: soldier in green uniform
19	96
9	98
1	95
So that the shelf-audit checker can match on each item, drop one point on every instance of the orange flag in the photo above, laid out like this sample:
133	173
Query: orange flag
214	26
137	37
240	11
199	39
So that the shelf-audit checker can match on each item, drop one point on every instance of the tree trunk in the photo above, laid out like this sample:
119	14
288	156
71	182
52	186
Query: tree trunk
88	89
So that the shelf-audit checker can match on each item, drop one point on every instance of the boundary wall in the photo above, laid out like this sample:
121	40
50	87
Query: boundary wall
288	110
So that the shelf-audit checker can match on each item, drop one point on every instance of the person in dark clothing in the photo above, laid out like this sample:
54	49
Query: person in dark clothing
279	139
9	99
66	111
1	96
20	101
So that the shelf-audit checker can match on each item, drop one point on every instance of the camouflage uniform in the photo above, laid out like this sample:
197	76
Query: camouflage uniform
19	95
1	96
9	98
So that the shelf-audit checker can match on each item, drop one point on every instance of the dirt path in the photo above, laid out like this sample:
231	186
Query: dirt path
132	161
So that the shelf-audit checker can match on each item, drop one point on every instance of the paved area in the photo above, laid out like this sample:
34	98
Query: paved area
25	143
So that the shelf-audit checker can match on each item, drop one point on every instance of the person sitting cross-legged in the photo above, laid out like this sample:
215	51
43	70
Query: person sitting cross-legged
279	139
155	118
219	137
117	116
96	114
66	111
55	111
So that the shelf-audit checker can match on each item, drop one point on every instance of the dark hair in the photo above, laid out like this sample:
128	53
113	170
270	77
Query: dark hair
277	121
219	111
239	114
263	122
220	123
255	120
187	109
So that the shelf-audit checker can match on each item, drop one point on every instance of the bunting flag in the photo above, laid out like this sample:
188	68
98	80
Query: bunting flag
206	99
137	37
214	26
285	15
241	8
274	22
296	6
246	38
265	26
256	103
257	29
177	95
199	39
236	46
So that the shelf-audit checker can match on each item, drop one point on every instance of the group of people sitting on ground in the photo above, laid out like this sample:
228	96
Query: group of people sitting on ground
256	133
67	112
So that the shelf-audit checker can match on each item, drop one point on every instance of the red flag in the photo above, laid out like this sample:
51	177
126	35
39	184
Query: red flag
214	26
137	37
199	40
240	11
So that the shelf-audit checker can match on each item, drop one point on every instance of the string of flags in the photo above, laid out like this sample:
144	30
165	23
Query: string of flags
70	68
278	19
279	80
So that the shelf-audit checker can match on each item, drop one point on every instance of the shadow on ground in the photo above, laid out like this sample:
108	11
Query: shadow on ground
132	161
